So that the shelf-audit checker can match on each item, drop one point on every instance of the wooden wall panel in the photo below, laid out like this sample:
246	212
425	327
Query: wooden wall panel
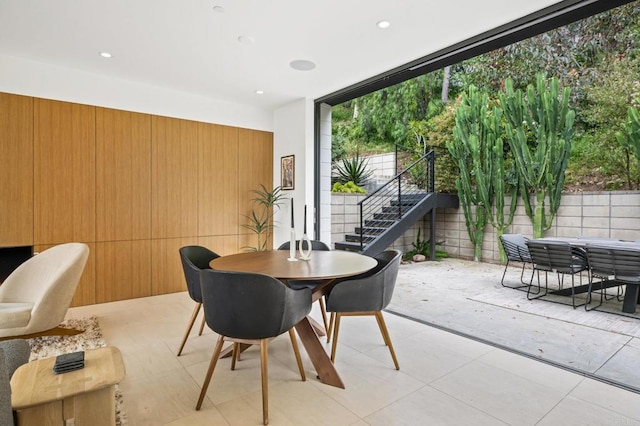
123	175
223	245
174	174
64	172
86	290
256	167
16	170
218	179
123	270
167	273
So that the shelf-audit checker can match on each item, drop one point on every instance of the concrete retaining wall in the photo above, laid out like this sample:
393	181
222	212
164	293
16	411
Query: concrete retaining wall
598	214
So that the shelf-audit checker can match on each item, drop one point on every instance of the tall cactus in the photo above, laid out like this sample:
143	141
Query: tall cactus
500	184
629	137
539	131
474	137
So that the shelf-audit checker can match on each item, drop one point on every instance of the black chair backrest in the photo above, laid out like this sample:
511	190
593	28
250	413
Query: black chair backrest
368	292
557	256
251	306
194	259
315	245
621	263
515	246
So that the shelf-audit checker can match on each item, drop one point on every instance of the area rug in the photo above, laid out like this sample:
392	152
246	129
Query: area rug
91	338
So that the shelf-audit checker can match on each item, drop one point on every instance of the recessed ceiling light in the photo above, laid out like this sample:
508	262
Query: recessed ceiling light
246	39
383	24
302	65
259	92
105	54
218	9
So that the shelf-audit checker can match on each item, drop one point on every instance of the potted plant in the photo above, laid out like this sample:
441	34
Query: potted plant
261	217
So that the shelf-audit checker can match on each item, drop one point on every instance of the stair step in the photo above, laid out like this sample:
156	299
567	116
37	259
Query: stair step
370	230
347	246
379	223
386	216
355	238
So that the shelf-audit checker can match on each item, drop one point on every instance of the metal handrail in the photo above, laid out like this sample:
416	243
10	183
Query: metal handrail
394	189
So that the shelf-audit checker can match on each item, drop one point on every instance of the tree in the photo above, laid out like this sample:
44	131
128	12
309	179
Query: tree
539	129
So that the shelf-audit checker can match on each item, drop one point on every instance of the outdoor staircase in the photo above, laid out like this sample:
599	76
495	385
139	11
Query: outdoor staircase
392	209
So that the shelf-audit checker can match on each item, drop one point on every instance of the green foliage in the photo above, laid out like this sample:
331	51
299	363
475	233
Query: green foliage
261	217
354	170
629	136
348	188
423	247
539	129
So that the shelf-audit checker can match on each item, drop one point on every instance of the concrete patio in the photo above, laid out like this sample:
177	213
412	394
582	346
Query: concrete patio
467	298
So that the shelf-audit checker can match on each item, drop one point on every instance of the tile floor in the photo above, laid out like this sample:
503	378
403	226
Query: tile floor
444	379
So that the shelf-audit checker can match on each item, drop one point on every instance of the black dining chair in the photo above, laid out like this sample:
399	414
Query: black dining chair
251	308
559	257
365	294
194	259
315	245
515	247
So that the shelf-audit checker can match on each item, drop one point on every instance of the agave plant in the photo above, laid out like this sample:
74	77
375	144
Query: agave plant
354	170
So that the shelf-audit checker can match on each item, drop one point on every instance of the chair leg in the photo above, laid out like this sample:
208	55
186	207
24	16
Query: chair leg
191	321
296	351
387	339
336	328
204	321
323	311
235	354
212	366
329	330
265	383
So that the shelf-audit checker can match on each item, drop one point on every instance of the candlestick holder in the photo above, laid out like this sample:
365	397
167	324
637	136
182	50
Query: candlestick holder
292	247
305	248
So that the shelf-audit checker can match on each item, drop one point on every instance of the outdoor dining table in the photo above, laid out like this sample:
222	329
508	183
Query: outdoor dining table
324	267
632	291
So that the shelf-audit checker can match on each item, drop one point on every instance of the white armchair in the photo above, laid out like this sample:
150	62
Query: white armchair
34	299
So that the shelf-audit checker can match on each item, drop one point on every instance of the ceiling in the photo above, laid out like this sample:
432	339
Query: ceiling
246	45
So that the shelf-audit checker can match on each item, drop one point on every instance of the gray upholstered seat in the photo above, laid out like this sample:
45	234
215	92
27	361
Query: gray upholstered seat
250	308
13	353
315	245
194	259
365	294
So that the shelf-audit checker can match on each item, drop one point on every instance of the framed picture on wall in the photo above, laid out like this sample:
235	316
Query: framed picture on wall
287	171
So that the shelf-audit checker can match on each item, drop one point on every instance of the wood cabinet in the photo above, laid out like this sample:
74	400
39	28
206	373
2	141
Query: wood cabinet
16	170
123	175
64	172
174	184
134	187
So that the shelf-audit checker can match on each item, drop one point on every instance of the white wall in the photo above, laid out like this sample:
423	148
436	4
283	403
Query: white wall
293	135
31	78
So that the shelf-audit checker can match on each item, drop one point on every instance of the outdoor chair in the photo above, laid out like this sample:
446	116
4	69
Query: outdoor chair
556	256
194	259
365	294
247	308
614	266
515	247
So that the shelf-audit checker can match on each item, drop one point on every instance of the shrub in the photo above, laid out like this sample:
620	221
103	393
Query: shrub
348	188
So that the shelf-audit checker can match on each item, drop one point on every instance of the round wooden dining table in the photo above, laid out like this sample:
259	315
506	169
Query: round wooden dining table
324	267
